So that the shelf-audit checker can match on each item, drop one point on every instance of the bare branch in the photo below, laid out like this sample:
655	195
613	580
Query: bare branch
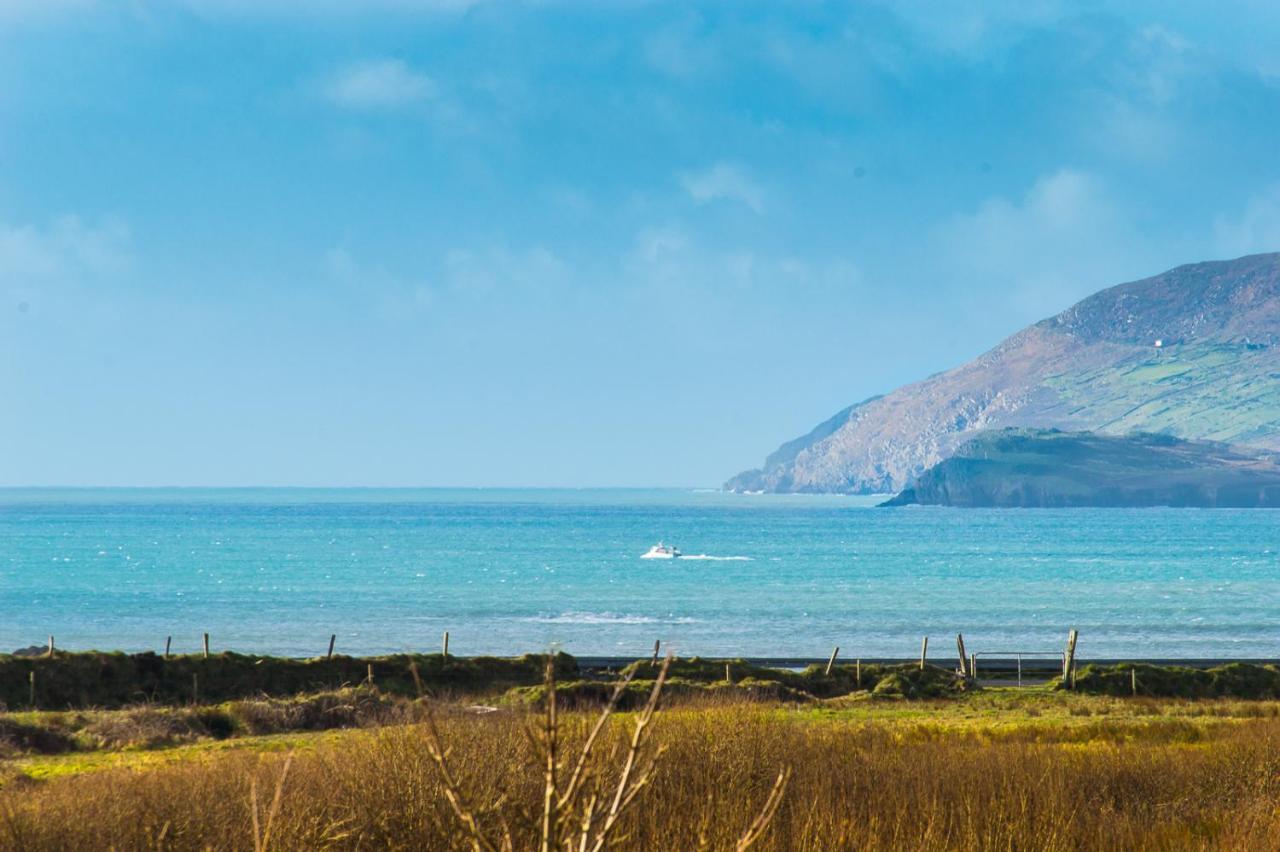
253	811
638	738
571	790
762	820
550	733
588	820
275	802
261	832
452	793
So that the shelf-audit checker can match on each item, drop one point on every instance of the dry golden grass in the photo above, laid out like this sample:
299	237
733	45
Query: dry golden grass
1182	779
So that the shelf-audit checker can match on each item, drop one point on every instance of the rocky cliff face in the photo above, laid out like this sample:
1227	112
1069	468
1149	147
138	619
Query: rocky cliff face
1190	353
1027	468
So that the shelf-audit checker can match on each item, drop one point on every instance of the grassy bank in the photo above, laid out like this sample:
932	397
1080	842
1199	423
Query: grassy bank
94	679
1234	680
97	680
999	768
861	756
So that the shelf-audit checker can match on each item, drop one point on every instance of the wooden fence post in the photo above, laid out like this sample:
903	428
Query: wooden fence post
50	644
831	662
964	660
857	673
924	652
445	644
1069	663
973	666
168	642
369	671
206	646
333	637
32	679
1133	681
657	645
728	675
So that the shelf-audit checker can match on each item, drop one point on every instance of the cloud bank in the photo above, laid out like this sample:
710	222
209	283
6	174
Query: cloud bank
378	84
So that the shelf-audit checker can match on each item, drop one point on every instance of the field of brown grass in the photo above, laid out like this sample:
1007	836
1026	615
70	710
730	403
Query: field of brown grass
998	769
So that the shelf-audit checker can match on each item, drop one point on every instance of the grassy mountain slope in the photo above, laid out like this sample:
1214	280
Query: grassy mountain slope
1215	375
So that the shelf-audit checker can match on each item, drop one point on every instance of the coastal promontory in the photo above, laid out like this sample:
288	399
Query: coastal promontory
1191	353
1036	468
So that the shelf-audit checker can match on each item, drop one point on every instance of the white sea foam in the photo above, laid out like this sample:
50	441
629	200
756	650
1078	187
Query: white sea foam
605	618
709	558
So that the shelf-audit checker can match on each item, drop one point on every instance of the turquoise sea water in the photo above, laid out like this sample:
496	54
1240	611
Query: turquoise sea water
511	571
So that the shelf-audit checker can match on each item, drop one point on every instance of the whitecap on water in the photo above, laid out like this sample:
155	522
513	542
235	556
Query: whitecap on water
604	618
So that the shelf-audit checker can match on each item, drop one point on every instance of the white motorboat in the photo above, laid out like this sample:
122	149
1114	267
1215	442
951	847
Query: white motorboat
662	551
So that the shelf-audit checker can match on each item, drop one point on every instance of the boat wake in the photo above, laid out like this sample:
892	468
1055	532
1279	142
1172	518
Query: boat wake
706	557
605	618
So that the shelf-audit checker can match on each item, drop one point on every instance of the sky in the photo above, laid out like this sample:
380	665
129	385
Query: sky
453	243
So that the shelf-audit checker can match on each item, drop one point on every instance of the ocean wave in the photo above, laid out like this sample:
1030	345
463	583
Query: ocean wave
709	558
605	618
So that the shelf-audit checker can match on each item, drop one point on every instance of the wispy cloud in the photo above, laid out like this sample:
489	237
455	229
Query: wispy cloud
1254	229
1066	237
38	10
31	255
378	84
723	182
671	258
305	8
20	11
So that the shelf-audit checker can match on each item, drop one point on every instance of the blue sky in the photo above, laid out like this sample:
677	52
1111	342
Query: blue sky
568	243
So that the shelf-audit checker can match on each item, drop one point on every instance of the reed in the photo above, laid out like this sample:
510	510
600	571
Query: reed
1036	772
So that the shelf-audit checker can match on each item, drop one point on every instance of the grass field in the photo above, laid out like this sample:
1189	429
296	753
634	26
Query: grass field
995	768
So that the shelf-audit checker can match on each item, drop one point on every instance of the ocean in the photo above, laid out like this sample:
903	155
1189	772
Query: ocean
512	571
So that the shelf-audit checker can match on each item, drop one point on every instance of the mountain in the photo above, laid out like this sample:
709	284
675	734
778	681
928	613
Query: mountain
1190	353
1035	468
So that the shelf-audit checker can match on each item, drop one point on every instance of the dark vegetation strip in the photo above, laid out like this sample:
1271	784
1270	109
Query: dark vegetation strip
79	680
1233	680
95	679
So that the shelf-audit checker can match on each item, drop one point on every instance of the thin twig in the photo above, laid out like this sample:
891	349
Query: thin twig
262	834
762	820
452	794
417	679
275	802
571	789
588	819
253	812
550	733
624	794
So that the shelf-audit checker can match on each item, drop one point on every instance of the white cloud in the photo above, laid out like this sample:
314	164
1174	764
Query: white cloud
669	258
723	181
656	244
39	10
328	7
23	11
1064	239
970	29
1056	204
378	84
1254	230
457	280
532	270
683	48
32	257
